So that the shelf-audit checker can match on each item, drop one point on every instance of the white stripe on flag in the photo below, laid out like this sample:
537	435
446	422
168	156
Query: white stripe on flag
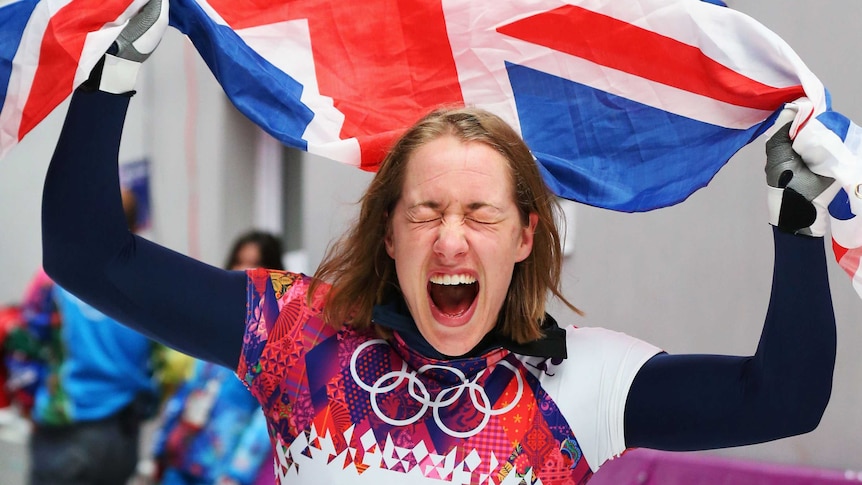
479	51
825	153
287	46
754	53
23	72
98	42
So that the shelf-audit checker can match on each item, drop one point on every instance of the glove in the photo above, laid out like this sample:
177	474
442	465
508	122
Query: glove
798	198
117	71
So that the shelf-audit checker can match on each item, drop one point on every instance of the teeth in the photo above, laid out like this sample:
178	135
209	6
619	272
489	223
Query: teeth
453	279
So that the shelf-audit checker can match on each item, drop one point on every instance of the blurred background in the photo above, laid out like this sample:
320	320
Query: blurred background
693	278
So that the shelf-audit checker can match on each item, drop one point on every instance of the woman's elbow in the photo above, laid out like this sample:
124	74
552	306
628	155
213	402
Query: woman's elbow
802	415
811	415
65	266
56	264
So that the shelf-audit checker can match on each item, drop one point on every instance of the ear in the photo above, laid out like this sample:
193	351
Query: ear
527	233
387	238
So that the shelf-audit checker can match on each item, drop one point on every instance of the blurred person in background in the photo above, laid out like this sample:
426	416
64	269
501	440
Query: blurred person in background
213	431
86	381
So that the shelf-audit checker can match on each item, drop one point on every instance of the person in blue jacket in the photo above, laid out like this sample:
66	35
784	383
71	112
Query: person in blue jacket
213	430
94	383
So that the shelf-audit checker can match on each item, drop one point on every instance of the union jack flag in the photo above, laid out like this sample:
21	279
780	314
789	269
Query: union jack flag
630	106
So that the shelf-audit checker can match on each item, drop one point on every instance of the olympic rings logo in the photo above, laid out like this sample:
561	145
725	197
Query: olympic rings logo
416	389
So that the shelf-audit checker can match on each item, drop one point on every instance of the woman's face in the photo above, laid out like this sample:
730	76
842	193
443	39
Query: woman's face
455	236
248	256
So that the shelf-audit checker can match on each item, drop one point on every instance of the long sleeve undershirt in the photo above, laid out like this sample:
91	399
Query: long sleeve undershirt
677	402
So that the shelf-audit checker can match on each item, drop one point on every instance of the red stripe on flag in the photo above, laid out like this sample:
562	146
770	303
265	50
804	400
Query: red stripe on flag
839	250
620	45
848	259
60	53
384	63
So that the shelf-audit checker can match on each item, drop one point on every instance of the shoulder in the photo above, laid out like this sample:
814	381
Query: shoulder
591	385
283	285
587	341
279	309
599	352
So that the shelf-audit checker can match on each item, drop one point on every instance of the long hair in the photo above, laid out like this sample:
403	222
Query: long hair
361	272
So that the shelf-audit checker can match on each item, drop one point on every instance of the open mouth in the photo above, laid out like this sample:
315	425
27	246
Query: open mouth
453	295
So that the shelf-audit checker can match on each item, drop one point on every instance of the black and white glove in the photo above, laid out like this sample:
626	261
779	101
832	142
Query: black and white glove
117	71
798	198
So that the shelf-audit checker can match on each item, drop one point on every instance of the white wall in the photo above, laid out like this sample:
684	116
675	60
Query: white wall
21	175
692	278
194	127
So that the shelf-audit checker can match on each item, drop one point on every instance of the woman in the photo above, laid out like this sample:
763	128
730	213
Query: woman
420	350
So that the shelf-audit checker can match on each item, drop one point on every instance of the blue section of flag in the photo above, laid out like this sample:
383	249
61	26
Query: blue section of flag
612	152
839	124
836	123
839	208
261	91
13	19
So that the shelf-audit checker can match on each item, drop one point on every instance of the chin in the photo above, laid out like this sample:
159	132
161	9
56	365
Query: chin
455	343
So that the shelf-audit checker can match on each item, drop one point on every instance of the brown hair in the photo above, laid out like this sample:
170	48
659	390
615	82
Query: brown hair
362	273
268	244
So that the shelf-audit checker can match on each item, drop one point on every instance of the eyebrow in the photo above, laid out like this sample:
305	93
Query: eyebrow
425	203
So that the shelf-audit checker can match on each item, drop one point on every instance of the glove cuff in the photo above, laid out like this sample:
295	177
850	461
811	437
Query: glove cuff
112	75
773	203
119	75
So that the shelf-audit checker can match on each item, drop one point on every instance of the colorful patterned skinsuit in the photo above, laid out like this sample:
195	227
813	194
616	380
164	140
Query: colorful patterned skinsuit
348	407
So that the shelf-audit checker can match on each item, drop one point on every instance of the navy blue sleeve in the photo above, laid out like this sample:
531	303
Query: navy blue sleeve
695	402
87	248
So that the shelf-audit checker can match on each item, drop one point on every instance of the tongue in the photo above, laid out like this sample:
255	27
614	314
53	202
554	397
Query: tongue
453	300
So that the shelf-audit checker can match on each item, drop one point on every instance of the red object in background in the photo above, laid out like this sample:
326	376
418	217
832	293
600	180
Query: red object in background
9	317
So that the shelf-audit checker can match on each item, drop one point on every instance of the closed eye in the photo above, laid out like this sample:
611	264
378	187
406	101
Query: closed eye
484	222
425	221
484	214
422	214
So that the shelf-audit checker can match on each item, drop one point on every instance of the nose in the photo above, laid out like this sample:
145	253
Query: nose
451	239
